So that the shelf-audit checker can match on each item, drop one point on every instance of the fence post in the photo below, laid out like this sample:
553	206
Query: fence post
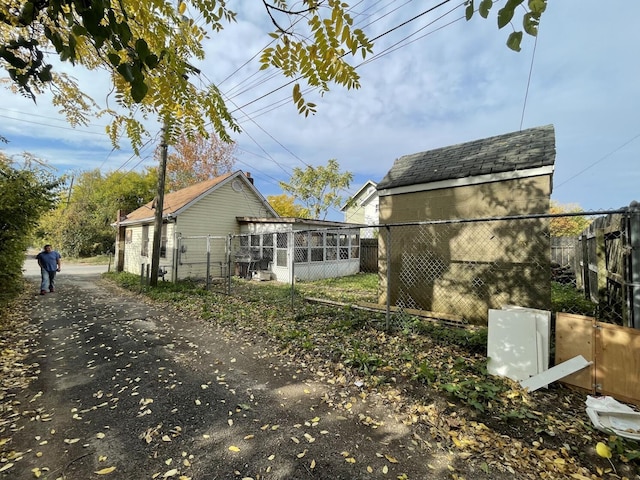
229	237
634	240
293	272
208	282
141	277
388	254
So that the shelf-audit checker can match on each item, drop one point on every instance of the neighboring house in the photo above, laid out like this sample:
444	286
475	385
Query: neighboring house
321	249
467	268
362	208
205	209
224	225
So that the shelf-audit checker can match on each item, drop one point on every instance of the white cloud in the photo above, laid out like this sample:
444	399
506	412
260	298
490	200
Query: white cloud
457	84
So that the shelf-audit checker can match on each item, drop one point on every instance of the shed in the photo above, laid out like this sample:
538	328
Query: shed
467	268
206	209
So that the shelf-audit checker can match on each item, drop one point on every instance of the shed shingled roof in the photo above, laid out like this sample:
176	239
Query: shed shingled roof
525	149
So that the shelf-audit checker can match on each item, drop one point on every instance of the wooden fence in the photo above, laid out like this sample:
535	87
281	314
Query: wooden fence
369	255
605	270
612	349
563	251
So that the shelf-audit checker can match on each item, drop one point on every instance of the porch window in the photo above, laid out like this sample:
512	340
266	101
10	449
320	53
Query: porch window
281	249
301	247
317	246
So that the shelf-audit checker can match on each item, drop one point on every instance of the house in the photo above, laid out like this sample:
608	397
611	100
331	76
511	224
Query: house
190	216
362	208
465	268
292	249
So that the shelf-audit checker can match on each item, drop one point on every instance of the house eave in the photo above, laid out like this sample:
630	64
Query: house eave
467	181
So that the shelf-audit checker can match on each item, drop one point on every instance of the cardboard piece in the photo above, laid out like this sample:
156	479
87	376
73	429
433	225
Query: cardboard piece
555	373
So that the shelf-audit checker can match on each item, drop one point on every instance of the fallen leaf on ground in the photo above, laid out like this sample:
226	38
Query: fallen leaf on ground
105	471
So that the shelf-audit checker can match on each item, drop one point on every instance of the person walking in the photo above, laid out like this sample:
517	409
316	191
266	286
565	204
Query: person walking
49	261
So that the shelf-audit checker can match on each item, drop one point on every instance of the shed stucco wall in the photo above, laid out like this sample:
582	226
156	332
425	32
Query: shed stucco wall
433	266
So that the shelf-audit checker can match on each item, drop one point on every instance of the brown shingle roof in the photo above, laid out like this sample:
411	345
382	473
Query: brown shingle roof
174	201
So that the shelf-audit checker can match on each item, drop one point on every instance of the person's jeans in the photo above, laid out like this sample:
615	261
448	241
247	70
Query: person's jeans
48	279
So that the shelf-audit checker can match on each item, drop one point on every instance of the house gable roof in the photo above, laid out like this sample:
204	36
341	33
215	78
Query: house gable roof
360	192
178	201
493	157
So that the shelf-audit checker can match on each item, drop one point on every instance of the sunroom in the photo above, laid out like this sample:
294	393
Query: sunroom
284	249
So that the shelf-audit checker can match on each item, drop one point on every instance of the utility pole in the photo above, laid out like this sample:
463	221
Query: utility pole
157	229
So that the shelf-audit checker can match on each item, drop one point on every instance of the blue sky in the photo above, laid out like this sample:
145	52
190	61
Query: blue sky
453	81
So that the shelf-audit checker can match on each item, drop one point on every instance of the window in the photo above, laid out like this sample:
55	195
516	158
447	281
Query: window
267	247
301	240
344	246
281	249
145	241
317	246
128	236
163	242
331	241
355	245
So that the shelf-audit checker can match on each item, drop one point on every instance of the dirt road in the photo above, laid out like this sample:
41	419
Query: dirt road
125	390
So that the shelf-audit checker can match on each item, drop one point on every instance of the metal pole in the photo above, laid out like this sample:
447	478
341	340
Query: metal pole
291	257
229	264
157	230
388	254
208	262
634	239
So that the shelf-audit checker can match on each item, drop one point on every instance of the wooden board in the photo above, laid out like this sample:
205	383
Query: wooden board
555	373
617	351
574	336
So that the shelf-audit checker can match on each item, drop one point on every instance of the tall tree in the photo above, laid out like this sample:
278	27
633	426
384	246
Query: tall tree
81	224
285	205
568	226
198	159
318	187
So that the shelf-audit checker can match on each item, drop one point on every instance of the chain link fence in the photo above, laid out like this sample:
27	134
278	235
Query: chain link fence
451	270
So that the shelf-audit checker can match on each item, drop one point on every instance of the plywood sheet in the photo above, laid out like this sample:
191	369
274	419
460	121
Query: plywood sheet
618	366
574	336
512	345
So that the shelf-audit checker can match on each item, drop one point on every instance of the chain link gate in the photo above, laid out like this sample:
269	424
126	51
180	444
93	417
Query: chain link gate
204	258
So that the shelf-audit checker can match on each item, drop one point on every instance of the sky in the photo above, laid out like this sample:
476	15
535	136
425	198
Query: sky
434	81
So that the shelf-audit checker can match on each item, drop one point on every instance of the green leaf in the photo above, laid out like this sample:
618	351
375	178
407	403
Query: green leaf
142	49
152	61
505	15
27	14
138	90
45	74
537	6
114	58
513	42
468	12
124	69
485	6
530	23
